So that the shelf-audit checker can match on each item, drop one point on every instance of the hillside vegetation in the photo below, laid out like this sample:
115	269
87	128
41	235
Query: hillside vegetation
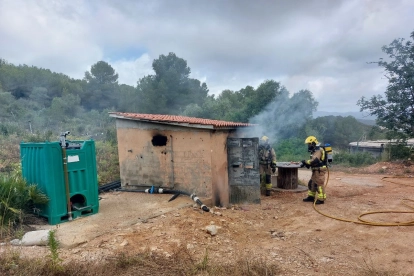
37	104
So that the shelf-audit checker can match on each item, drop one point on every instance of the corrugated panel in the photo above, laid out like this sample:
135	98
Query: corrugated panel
83	173
42	164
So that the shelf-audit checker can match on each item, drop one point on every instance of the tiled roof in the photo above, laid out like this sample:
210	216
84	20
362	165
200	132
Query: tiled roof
178	120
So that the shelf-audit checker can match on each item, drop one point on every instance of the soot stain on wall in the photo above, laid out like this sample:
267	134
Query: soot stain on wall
159	140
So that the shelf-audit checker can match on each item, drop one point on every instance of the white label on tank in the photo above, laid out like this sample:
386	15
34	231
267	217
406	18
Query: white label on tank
73	158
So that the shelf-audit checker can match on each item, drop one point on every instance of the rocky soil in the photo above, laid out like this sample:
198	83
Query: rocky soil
300	238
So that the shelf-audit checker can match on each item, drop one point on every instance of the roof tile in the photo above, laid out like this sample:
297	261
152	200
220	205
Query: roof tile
179	119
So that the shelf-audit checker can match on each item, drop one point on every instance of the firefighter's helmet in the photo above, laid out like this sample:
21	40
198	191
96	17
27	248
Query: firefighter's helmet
311	140
264	140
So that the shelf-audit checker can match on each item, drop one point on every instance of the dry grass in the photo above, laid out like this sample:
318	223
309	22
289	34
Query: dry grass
144	263
149	263
370	269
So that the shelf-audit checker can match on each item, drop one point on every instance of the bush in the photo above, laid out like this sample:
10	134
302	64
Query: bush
16	199
38	137
7	129
398	152
9	153
354	159
107	161
291	150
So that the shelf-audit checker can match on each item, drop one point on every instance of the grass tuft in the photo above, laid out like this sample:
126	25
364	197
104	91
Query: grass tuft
180	262
17	200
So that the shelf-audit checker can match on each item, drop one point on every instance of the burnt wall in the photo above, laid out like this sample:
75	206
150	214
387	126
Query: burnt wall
166	156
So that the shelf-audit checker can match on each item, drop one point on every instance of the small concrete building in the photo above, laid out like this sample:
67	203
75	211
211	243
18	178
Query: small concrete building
217	160
376	148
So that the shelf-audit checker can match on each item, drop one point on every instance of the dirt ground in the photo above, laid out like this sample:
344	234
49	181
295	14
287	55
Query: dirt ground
301	240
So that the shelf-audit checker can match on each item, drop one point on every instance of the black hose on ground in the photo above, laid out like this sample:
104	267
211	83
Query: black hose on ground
176	193
109	186
198	201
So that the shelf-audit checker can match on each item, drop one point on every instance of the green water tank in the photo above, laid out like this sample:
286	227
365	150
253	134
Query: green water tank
42	164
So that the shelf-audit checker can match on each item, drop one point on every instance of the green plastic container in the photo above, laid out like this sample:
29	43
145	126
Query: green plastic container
42	164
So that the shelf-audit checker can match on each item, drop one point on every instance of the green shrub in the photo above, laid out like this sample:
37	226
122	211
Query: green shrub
53	244
17	198
38	137
107	161
291	150
354	159
398	152
7	129
9	153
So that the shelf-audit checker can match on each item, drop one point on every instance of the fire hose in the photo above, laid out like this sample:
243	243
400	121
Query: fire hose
175	193
373	223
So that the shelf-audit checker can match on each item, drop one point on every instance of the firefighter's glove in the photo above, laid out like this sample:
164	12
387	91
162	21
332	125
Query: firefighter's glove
273	166
304	164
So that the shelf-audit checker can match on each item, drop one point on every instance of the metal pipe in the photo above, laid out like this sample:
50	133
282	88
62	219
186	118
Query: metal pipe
65	172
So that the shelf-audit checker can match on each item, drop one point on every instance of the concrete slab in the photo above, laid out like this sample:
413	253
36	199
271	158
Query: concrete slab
299	189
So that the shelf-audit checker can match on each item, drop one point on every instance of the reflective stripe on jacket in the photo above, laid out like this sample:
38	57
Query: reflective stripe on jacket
317	157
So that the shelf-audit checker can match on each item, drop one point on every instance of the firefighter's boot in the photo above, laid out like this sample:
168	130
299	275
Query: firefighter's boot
309	199
319	202
268	184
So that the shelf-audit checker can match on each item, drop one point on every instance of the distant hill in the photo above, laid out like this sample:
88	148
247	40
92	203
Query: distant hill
366	122
362	117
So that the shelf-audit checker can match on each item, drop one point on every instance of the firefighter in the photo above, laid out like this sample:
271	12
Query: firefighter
317	162
267	160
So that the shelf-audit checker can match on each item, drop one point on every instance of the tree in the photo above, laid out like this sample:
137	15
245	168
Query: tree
101	88
64	108
396	111
255	101
10	109
101	73
238	106
40	96
337	130
128	100
171	89
294	113
229	103
209	109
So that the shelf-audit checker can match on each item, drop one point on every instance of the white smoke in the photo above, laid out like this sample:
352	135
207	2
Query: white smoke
280	116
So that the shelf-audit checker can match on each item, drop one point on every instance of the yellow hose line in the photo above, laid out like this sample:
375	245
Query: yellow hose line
327	178
373	223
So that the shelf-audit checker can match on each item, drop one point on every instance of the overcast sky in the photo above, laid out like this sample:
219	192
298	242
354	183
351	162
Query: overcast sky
320	45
